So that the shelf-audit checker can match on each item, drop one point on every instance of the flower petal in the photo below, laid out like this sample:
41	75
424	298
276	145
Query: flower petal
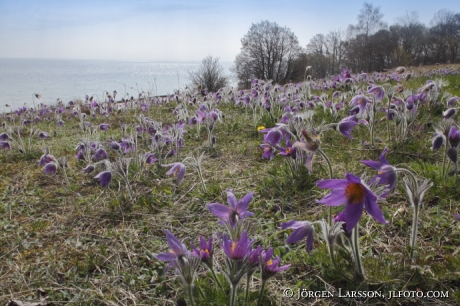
220	210
335	198
243	203
166	256
332	183
176	246
294	224
231	199
298	234
373	209
373	164
352	214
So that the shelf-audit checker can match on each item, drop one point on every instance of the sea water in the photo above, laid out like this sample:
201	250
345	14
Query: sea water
70	80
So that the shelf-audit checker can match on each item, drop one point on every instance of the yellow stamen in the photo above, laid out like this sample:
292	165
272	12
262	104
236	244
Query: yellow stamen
288	150
354	192
233	246
205	251
270	262
260	127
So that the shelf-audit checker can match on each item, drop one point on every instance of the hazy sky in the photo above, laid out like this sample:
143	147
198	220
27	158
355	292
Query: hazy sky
161	30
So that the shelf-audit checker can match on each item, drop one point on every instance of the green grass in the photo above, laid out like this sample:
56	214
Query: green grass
86	245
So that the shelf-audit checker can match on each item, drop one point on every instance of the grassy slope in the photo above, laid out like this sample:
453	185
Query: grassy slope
88	245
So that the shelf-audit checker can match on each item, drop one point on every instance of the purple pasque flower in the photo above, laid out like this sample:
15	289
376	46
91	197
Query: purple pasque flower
5	145
377	91
453	155
236	209
451	102
346	124
237	249
254	258
387	174
50	168
45	159
391	114
104	126
356	196
302	230
177	169
269	266
80	155
4	136
150	158
43	135
457	216
115	146
437	141
127	144
171	153
311	143
454	137
100	154
361	101
177	248
205	252
104	178
269	151
88	169
289	150
273	136
448	113
192	120
410	101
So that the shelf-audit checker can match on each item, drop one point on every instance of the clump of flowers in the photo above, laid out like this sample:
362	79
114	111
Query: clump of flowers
241	258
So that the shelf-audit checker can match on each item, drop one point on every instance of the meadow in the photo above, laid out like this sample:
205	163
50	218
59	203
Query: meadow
91	190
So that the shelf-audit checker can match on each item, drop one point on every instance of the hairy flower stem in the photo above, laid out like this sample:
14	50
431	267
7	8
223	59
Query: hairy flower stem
261	293
356	251
215	278
201	178
254	116
246	295
411	175
413	236
456	171
444	161
128	187
233	290
65	176
388	120
329	217
22	143
331	255
372	122
190	294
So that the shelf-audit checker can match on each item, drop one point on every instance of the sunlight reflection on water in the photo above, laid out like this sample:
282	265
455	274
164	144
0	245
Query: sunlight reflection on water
73	79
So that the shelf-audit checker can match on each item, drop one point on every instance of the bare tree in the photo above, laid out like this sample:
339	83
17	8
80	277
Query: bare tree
445	35
335	41
369	22
318	56
210	75
411	35
268	52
